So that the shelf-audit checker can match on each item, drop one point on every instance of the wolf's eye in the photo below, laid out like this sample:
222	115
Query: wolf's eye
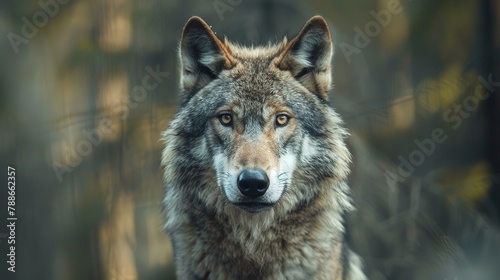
226	119
282	120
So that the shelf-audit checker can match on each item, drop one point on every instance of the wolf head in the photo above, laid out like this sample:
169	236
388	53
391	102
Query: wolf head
254	131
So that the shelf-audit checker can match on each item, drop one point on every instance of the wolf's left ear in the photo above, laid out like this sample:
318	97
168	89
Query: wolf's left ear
202	56
308	57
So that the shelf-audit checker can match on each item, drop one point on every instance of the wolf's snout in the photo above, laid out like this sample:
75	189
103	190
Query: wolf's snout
253	182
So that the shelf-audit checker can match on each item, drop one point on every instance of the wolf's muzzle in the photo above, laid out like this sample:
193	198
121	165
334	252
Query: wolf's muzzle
253	183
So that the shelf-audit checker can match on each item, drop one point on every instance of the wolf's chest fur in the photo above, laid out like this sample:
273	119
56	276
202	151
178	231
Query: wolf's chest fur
284	250
255	161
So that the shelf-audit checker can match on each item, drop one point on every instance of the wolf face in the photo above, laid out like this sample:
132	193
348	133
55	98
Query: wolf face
255	161
255	123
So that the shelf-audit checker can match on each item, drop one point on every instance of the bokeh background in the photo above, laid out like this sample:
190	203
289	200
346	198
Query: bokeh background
83	131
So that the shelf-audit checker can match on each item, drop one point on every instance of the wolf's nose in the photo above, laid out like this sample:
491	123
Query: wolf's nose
253	182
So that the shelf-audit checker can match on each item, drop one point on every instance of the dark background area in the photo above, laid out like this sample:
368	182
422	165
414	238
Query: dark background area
84	137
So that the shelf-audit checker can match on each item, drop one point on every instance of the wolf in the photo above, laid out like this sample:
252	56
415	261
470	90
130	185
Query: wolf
255	162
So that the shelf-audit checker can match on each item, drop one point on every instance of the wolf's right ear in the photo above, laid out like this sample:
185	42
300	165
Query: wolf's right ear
202	56
308	57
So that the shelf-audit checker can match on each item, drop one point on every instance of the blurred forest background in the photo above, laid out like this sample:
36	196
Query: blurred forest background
417	83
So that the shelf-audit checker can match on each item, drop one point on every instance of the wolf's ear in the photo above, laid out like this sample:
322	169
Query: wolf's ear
202	56
308	57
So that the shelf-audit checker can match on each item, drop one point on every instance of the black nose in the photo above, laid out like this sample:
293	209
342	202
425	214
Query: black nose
253	182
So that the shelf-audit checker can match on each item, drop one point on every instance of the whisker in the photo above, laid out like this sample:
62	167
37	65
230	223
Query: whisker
282	174
284	185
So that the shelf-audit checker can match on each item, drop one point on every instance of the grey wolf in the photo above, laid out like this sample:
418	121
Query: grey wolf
255	161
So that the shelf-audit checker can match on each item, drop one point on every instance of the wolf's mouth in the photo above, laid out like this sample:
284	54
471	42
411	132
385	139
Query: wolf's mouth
253	207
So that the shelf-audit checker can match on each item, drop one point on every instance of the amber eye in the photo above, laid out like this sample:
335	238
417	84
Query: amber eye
282	120
226	119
